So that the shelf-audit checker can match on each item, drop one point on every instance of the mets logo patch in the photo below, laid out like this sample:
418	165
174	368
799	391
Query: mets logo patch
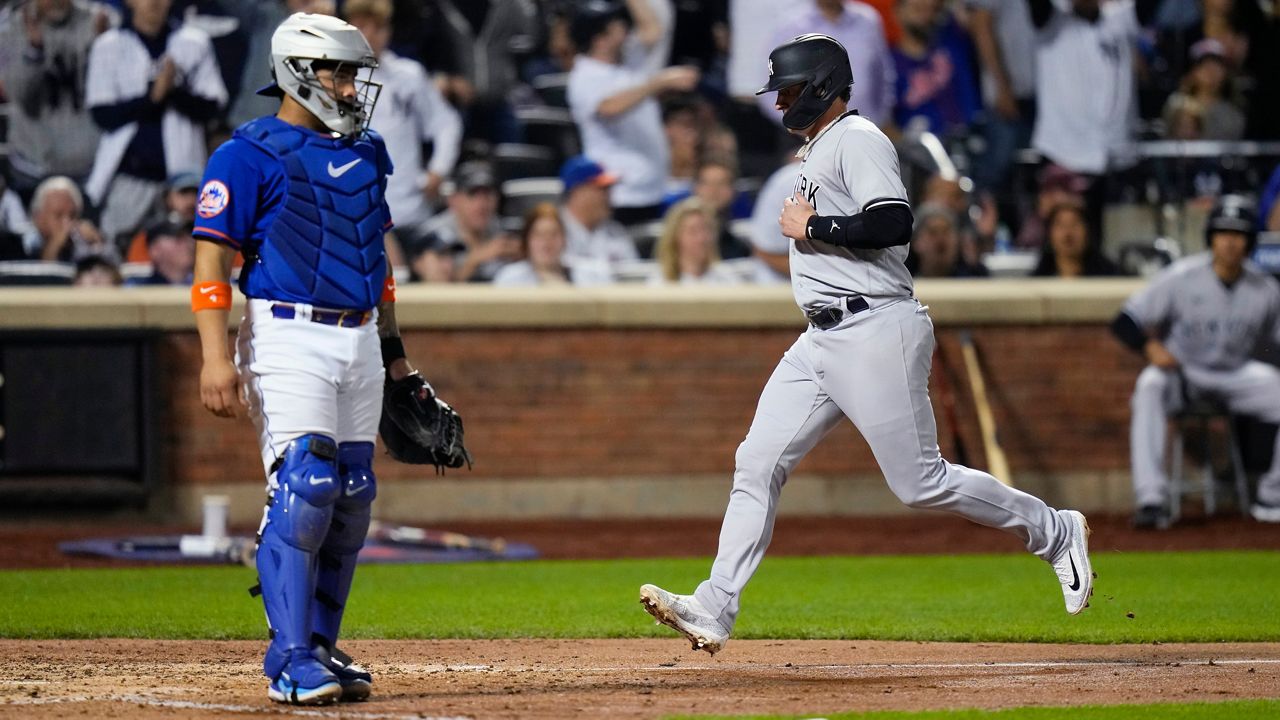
213	199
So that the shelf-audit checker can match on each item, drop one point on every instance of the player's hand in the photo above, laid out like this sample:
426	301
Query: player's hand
431	189
681	78
220	387
163	84
796	212
1006	105
1159	355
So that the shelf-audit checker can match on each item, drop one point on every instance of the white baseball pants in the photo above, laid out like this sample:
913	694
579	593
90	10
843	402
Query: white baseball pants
303	377
1252	389
872	368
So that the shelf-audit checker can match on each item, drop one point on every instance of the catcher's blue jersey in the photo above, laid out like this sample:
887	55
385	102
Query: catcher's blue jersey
306	209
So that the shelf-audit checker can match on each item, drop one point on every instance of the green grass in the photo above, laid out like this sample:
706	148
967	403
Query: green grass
1191	597
1236	710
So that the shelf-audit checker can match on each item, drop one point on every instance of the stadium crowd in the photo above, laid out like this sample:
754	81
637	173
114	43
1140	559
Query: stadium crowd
588	142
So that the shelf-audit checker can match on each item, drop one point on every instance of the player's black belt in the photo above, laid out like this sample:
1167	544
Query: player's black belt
830	316
341	318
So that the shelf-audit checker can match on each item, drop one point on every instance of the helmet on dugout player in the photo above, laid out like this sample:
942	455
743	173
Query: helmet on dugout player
1233	213
817	61
302	46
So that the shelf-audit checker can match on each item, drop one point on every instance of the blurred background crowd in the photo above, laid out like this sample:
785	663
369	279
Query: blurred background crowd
590	142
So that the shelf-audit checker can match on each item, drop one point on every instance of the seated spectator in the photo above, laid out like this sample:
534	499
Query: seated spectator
1198	324
1203	108
542	245
151	87
44	51
557	57
410	112
935	246
96	271
1058	186
682	126
57	230
935	70
616	111
465	243
180	196
769	245
686	251
714	187
172	250
589	228
1069	253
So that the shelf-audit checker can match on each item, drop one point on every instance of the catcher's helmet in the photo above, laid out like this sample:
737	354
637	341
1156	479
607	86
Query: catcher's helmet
818	61
298	44
1233	213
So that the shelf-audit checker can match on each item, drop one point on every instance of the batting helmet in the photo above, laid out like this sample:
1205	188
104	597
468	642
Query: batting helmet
821	64
1233	213
591	18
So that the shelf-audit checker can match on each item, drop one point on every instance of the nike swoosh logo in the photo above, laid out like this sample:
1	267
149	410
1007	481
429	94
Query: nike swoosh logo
320	480
1075	585
207	290
351	492
337	172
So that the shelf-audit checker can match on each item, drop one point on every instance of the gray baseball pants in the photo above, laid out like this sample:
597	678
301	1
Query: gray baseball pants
1252	389
872	368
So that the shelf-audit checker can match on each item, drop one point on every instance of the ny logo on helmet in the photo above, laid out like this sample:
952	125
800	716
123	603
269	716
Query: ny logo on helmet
770	68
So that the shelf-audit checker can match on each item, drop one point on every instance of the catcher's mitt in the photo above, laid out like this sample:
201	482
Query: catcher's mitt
419	428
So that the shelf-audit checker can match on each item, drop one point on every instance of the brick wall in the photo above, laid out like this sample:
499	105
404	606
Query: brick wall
608	402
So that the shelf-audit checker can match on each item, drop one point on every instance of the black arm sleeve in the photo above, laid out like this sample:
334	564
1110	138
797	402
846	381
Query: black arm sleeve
194	107
1127	330
115	115
1041	12
881	227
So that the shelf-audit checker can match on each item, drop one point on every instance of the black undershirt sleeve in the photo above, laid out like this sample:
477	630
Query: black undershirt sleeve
884	225
1127	330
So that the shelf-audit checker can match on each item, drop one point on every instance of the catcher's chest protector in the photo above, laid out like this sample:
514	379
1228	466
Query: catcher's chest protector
325	246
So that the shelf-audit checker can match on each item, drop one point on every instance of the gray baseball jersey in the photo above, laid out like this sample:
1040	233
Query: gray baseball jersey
848	168
1203	322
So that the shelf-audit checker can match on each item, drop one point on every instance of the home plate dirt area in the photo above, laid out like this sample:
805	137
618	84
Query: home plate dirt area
626	678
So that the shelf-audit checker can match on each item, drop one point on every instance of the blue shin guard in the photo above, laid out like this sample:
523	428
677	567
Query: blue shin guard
337	565
298	519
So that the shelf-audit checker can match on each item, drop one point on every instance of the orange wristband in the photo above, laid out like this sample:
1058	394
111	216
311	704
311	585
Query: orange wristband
389	290
210	296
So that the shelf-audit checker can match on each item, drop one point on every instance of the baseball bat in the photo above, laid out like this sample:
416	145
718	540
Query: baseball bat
997	463
947	397
419	537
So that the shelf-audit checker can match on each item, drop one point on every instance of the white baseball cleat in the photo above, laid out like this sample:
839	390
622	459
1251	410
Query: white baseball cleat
1265	513
685	615
1072	565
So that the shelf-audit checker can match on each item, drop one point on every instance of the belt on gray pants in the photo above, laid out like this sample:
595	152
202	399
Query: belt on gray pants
830	316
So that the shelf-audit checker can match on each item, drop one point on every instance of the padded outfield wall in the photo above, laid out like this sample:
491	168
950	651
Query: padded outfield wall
630	401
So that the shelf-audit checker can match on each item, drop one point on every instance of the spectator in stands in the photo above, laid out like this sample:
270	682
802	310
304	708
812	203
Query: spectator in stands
478	41
259	19
1069	253
180	196
1085	88
557	56
715	188
1204	106
96	271
542	244
935	246
1005	42
857	26
44	50
682	125
410	111
935	70
152	88
13	216
1269	203
1198	325
686	251
58	232
172	251
465	243
615	108
1058	186
648	45
769	245
589	227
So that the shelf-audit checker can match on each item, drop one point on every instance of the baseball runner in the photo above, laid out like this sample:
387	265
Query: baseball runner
1199	324
302	195
866	356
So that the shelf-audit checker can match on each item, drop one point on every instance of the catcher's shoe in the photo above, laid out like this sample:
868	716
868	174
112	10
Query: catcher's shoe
305	681
1072	565
685	615
357	683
